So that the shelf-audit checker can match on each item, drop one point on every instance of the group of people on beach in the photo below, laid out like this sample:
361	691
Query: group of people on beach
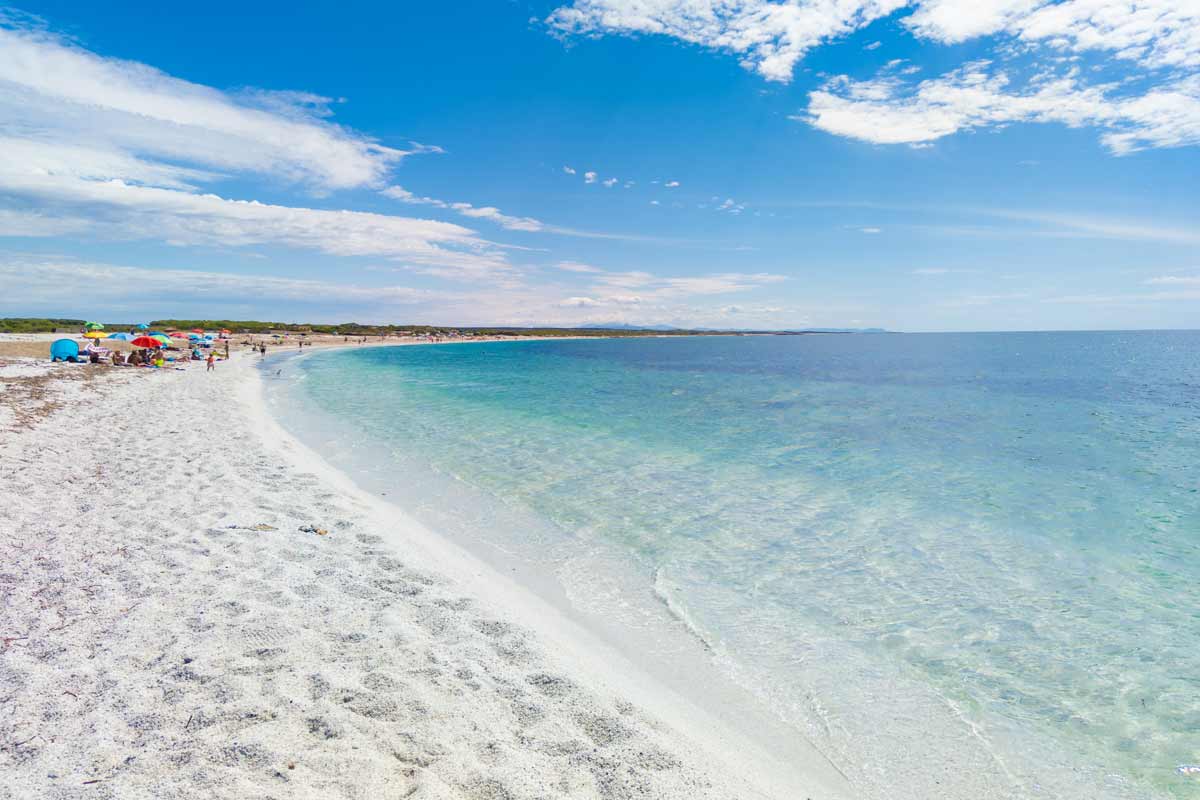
147	358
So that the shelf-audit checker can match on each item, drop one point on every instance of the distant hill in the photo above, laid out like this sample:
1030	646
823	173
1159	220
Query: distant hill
624	326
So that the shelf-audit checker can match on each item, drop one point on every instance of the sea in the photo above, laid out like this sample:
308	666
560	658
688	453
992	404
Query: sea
956	565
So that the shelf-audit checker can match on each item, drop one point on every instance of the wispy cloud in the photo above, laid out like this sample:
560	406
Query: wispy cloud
942	271
589	177
639	286
575	266
1100	227
41	280
467	210
100	147
116	209
569	170
38	280
67	94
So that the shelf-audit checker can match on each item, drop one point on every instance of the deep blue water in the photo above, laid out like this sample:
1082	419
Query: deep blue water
907	546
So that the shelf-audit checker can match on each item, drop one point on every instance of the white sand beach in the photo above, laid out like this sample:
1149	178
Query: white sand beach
193	604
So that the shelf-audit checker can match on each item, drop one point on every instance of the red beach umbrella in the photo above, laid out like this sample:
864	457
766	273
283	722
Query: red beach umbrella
146	342
177	335
197	330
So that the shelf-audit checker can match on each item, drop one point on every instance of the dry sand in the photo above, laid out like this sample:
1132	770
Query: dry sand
193	605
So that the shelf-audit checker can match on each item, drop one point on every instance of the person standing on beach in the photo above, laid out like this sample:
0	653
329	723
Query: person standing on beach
212	362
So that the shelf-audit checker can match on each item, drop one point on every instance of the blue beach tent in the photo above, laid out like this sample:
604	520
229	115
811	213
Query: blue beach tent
64	350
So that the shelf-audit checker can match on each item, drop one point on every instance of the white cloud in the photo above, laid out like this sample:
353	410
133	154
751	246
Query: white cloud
38	281
1153	33
64	93
589	177
654	203
873	46
671	184
493	214
886	111
1160	39
466	209
1074	225
772	35
569	170
41	281
100	147
648	286
117	209
579	302
956	21
769	36
34	224
575	266
609	183
870	230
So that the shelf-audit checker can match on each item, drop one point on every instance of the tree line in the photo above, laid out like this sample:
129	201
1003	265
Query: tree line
49	324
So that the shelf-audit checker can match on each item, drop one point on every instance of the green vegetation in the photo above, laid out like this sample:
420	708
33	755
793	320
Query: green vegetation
36	325
40	325
359	329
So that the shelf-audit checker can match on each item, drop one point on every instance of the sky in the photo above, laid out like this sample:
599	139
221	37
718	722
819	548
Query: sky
771	164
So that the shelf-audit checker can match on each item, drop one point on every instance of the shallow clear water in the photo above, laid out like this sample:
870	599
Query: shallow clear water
903	544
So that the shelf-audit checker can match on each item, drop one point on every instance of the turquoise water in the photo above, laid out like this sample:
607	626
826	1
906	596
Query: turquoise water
981	550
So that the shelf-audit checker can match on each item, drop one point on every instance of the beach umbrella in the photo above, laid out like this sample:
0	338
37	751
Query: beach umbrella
145	342
143	326
93	326
226	331
178	335
161	338
95	335
197	330
124	337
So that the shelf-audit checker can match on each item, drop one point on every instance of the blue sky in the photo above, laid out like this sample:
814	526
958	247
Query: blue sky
930	165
